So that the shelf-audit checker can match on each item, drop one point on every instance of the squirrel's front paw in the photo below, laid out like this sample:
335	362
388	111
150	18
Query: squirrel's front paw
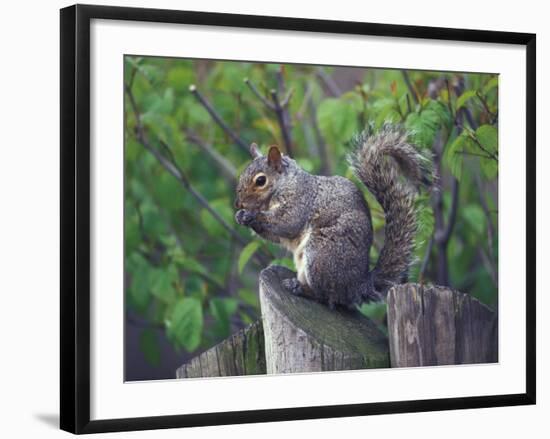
245	217
293	286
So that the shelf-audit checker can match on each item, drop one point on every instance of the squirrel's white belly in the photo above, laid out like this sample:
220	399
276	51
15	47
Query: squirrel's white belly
298	249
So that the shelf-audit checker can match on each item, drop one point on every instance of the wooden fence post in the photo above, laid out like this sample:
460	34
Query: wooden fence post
304	336
431	325
427	326
240	354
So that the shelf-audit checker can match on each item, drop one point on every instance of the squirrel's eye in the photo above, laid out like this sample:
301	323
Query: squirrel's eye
260	180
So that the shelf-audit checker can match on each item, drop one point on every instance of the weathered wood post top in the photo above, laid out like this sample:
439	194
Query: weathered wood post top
302	335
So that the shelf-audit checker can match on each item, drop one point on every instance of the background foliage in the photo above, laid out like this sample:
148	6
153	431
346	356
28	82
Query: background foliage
191	272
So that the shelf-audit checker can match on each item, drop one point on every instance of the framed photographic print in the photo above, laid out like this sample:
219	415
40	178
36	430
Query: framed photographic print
268	218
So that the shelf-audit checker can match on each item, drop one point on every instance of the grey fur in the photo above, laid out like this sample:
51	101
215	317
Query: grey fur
326	222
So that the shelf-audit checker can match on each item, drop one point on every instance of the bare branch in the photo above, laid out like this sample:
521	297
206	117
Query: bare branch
326	167
410	86
285	128
218	119
257	93
468	114
480	146
409	109
176	172
286	99
488	259
305	103
486	106
225	165
450	105
474	154
278	107
329	83
442	230
446	233
425	260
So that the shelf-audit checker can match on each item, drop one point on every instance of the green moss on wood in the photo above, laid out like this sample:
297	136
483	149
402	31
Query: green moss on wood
341	331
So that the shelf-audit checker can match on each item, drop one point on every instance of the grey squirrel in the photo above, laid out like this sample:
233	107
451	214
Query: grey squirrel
326	222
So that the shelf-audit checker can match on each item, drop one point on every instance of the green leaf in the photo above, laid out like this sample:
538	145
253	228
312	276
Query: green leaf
193	265
167	191
139	290
211	224
148	343
159	105
284	262
464	97
305	164
387	115
337	119
180	78
475	217
488	137
373	310
132	234
492	83
424	222
489	167
425	125
139	283
249	297
246	254
483	287
245	318
162	283
186	322
222	310
453	156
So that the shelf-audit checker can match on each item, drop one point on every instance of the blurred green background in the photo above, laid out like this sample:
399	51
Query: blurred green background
191	272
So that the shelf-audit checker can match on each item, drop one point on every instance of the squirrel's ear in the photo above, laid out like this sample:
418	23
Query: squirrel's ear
274	158
254	151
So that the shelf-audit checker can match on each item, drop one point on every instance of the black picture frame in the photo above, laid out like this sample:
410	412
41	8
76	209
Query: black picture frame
75	217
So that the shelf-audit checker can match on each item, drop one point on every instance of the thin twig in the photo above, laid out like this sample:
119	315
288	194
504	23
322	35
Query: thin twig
135	321
174	169
285	129
281	106
482	201
474	154
451	220
488	258
486	106
286	99
225	165
257	93
305	103
218	119
485	150
449	102
425	260
442	231
489	265
326	166
410	86
468	114
330	84
278	107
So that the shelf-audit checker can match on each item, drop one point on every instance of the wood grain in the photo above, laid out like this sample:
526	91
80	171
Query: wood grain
240	354
304	336
431	325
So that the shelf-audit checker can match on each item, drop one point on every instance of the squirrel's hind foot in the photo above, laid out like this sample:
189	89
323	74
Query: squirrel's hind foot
294	286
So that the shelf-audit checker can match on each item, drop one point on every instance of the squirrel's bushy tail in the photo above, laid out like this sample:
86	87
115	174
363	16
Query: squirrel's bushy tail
392	169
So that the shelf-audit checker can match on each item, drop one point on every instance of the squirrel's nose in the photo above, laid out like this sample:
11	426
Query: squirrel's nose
237	204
